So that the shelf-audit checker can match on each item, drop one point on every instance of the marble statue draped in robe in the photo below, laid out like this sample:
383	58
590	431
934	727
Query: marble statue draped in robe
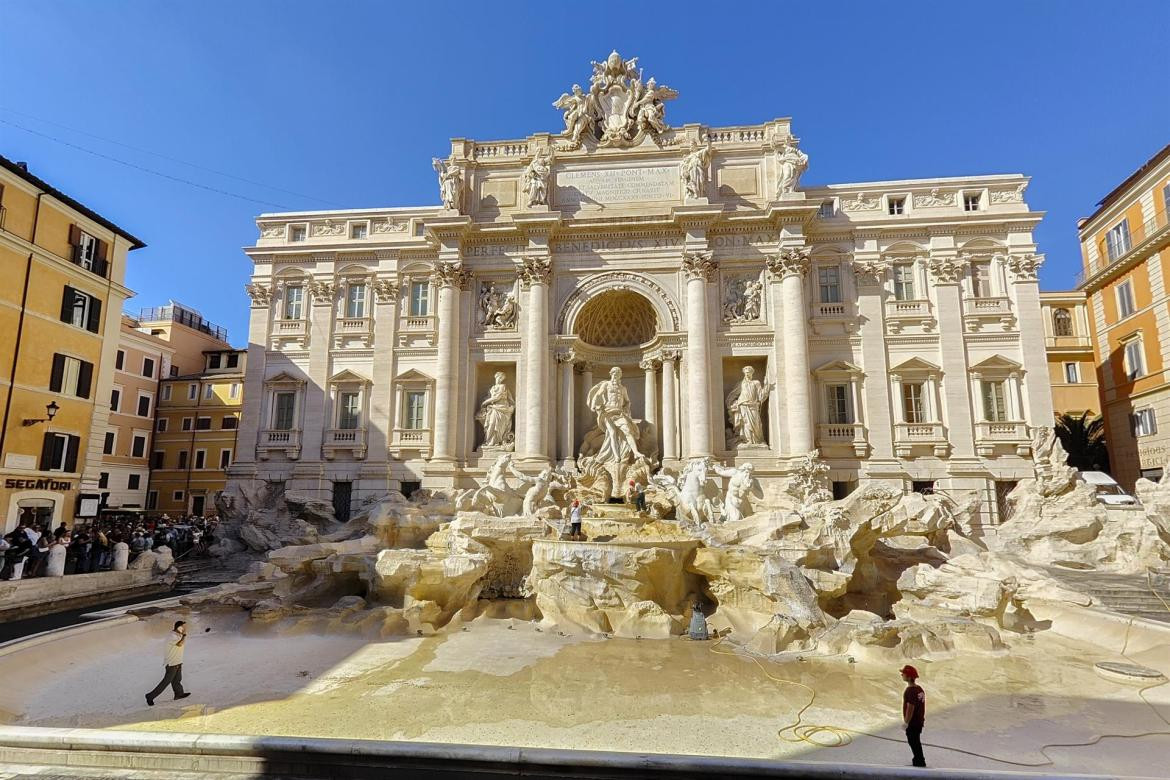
450	183
610	401
497	309
741	488
581	112
495	414
791	164
694	171
744	409
536	178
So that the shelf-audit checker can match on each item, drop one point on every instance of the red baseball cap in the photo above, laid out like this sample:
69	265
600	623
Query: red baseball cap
910	671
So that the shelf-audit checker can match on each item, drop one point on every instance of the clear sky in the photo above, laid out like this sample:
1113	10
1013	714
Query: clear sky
343	104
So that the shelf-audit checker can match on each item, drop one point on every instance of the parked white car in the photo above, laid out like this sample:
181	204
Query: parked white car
1107	490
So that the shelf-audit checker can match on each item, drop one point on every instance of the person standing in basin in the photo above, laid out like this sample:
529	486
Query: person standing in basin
914	713
174	665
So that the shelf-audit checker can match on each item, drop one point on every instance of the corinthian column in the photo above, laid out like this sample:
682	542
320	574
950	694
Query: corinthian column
790	266
535	274
450	279
698	267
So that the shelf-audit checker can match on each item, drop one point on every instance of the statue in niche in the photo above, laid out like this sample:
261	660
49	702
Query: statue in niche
611	403
497	308
450	183
744	405
743	300
495	414
536	178
694	171
741	488
791	163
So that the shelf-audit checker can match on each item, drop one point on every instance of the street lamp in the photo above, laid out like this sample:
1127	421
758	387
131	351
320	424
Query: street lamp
51	410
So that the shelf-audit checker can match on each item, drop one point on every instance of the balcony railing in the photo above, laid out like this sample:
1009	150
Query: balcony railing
918	308
419	323
1007	432
289	327
176	312
829	311
274	440
352	440
354	324
1067	342
1141	238
837	435
924	433
990	306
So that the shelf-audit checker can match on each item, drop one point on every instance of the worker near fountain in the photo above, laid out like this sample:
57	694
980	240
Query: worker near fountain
913	713
575	520
173	658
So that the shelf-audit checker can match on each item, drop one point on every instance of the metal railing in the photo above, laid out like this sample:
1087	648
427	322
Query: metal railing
1138	238
184	316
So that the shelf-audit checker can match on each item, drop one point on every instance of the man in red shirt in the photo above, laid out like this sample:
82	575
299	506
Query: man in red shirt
914	713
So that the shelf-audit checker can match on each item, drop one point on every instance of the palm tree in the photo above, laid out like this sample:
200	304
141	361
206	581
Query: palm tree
1084	441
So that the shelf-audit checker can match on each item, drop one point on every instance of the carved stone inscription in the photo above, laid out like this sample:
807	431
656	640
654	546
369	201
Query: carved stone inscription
602	187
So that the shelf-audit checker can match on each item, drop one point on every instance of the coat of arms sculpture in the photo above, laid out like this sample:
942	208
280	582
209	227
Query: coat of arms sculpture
619	110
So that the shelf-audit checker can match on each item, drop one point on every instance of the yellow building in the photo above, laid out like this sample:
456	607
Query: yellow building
1126	249
1072	369
63	268
195	434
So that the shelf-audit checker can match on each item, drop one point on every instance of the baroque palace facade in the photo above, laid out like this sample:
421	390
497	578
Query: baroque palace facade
894	326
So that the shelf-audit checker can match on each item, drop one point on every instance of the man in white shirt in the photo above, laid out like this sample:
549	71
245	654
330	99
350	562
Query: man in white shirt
174	665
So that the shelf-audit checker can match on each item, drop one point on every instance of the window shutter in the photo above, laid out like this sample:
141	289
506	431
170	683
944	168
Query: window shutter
84	379
95	316
71	453
101	266
74	235
67	304
47	451
57	374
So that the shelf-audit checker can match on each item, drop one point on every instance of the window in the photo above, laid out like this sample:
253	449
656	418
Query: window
192	391
152	499
70	376
913	406
415	409
297	232
828	210
971	201
923	487
166	392
174	373
358	230
133	481
839	407
182	459
108	444
994	401
1135	359
1145	423
177	495
1125	304
355	301
158	459
200	459
187	423
225	459
896	206
161	427
829	283
294	299
85	249
120	360
103	479
208	392
981	279
1117	241
230	423
283	408
349	410
148	367
138	446
1072	373
143	405
233	360
115	399
81	310
904	282
1062	322
419	299
234	390
213	360
203	423
59	452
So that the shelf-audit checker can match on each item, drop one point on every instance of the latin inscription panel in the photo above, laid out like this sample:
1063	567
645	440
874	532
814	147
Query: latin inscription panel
607	186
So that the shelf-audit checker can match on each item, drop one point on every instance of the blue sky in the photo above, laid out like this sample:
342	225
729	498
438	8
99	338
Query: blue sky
343	104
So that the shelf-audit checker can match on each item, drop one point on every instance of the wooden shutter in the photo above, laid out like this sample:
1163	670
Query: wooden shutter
95	316
57	374
84	379
67	300
74	235
101	265
47	451
71	453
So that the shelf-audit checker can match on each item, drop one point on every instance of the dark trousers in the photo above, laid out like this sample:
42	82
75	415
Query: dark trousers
173	678
914	737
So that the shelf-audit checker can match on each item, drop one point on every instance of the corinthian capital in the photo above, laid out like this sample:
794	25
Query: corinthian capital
536	270
260	294
322	291
698	265
947	270
793	261
870	272
386	290
1025	267
449	275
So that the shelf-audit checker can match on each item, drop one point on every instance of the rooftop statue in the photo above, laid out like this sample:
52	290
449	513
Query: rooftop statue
450	183
619	110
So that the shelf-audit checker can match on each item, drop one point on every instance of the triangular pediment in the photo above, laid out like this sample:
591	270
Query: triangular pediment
413	375
838	367
347	376
996	363
284	378
915	364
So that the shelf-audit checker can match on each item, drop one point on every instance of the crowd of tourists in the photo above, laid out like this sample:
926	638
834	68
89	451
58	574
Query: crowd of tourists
89	546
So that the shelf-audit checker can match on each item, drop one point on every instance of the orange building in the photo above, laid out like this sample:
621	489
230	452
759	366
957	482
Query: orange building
1126	249
1072	369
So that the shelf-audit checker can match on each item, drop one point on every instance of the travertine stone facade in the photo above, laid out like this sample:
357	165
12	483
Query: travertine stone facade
896	325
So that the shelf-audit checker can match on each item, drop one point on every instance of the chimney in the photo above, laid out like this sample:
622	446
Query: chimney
23	166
